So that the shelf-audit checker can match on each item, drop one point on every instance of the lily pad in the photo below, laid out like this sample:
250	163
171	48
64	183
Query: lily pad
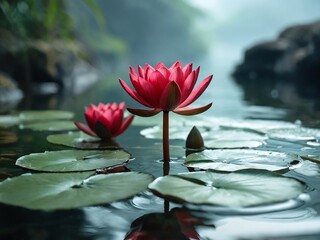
73	160
261	126
237	189
50	126
42	115
51	191
233	138
237	159
228	144
80	140
295	134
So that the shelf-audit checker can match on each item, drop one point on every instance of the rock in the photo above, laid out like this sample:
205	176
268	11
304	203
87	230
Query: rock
10	94
294	57
40	64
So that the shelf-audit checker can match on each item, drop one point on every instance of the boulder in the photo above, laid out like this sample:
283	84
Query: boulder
294	57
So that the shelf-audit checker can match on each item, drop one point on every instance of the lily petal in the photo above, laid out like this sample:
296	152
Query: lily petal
170	97
144	112
196	93
125	125
134	94
85	129
192	111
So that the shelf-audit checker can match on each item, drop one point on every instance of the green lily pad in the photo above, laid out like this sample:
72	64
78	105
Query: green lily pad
295	134
50	126
261	126
228	144
44	115
237	189
73	160
237	159
233	138
51	191
80	140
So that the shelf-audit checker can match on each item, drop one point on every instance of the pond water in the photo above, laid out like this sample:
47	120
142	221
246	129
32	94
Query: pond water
294	219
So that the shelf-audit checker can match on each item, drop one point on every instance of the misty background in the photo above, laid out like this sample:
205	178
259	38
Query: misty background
108	36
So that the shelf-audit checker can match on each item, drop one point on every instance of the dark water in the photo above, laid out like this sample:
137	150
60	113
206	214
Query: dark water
294	219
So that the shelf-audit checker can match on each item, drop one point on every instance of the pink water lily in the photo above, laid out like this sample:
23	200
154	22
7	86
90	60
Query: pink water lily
166	89
105	121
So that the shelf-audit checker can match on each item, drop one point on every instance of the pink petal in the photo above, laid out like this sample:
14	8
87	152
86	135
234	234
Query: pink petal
85	129
176	64
125	125
147	91
160	65
170	97
196	93
133	71
117	121
90	120
192	111
165	72
177	76
141	71
158	80
188	85
187	70
134	94
144	112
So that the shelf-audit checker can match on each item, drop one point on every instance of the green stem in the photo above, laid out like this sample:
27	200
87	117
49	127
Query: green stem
165	139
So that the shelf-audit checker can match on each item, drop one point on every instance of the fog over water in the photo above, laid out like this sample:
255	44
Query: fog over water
231	27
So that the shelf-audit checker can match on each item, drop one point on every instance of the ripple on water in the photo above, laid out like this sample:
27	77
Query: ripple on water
281	206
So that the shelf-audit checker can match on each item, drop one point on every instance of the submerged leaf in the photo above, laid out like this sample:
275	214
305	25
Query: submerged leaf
52	191
73	160
236	159
238	189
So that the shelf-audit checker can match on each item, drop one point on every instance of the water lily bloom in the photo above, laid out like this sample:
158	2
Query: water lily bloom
105	121
166	89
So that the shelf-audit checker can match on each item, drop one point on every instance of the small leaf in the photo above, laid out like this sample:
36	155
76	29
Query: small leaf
52	191
73	160
238	189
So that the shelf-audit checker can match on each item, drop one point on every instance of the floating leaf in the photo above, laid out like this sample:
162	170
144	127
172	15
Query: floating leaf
50	126
295	134
51	191
28	116
233	143
233	138
238	189
261	126
73	160
80	140
236	159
